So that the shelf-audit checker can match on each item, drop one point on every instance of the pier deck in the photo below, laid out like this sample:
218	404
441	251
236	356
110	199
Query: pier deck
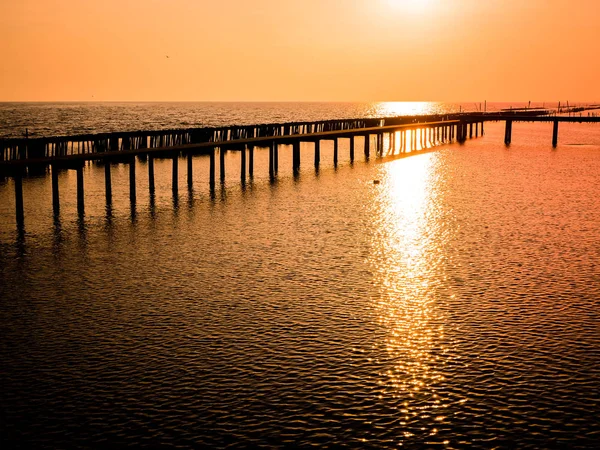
21	156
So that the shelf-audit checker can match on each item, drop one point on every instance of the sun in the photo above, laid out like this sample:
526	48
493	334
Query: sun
413	6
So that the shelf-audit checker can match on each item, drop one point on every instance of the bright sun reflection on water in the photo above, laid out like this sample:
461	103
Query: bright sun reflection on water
408	261
406	108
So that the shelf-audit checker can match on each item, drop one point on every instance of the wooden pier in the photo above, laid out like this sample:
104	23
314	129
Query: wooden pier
404	134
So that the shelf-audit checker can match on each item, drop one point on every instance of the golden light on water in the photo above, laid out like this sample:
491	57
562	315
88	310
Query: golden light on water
407	261
405	108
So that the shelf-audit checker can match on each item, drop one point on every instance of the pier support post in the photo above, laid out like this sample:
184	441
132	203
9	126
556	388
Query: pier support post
476	129
132	193
251	161
20	214
211	176
471	130
55	193
176	173
271	160
276	159
367	146
555	134
296	156
317	153
222	164
405	141
190	168
151	174
80	197
335	152
508	132
351	149
107	182
243	164
482	133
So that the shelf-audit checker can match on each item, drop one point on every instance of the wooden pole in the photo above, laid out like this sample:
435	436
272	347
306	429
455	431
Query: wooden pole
55	192
367	146
80	197
20	214
175	173
271	159
296	156
222	164
251	161
107	182
132	180
151	174
555	134
243	164
190	168
211	177
335	152
351	149
317	153
508	132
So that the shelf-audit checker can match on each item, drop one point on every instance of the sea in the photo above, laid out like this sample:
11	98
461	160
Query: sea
444	298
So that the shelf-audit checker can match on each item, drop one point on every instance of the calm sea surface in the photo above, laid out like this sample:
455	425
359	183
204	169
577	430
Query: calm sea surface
454	304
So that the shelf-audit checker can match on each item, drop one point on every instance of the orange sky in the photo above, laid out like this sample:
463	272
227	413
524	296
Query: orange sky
300	50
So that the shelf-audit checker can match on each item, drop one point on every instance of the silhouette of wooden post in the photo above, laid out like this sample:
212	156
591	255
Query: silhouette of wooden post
276	159
367	146
351	149
107	182
296	156
555	134
471	130
476	129
20	214
132	194
222	164
317	153
405	140
243	164
176	173
211	170
251	161
271	159
151	174
482	133
335	152
80	197
190	168
55	192
508	132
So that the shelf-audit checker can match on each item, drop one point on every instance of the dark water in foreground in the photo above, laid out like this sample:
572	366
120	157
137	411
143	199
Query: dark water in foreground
455	304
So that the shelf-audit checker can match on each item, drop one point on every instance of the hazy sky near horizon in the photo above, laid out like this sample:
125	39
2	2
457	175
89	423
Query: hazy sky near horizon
300	50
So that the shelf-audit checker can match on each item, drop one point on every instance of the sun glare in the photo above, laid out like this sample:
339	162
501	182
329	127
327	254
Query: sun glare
413	6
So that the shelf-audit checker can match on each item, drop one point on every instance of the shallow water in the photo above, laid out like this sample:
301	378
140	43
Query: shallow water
454	304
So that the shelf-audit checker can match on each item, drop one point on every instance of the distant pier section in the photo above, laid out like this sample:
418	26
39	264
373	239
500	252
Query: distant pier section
403	134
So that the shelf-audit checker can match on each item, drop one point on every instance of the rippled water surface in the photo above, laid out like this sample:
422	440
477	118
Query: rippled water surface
454	304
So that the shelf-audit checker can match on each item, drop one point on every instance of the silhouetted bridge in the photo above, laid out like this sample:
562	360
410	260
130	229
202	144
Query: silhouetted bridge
405	134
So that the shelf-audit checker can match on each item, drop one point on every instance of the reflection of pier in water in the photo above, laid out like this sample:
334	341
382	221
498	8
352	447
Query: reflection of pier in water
405	134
